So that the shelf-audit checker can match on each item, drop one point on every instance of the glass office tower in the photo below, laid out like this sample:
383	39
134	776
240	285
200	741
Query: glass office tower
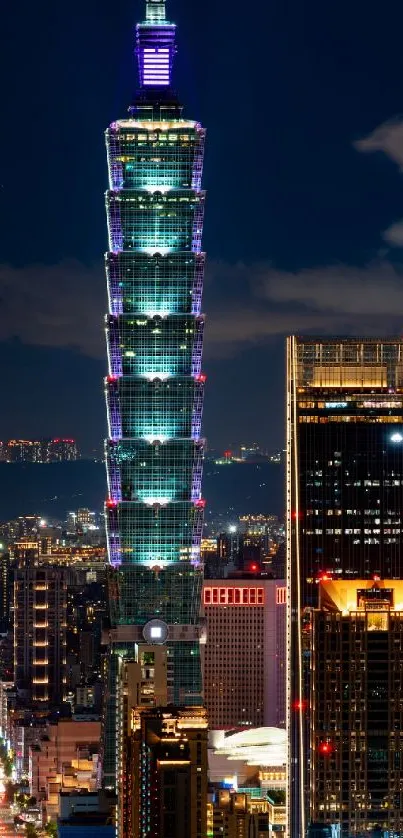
154	389
344	501
356	707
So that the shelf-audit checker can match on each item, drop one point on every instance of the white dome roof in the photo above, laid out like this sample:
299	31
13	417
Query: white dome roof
261	746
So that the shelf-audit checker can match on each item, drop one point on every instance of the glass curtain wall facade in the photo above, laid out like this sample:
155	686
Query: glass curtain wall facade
344	500
155	384
356	687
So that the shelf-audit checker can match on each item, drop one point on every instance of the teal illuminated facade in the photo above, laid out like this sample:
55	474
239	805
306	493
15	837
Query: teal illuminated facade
155	385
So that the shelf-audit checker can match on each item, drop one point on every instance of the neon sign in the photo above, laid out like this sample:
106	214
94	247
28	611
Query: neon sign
233	596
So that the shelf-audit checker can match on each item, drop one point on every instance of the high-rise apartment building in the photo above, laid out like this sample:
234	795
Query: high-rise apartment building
244	656
38	450
356	763
21	451
59	450
6	589
25	527
81	521
169	772
154	388
141	684
344	499
40	606
162	753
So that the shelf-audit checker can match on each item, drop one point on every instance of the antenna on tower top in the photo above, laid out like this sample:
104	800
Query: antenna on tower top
155	11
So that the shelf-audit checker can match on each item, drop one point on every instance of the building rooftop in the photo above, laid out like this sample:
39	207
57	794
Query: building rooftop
259	746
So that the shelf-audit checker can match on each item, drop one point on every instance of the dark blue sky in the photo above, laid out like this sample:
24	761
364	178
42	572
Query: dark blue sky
303	223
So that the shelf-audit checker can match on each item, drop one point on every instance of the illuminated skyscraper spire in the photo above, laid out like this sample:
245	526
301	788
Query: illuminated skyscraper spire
155	385
155	46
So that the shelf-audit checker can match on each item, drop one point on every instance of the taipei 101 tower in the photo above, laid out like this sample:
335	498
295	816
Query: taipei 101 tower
155	384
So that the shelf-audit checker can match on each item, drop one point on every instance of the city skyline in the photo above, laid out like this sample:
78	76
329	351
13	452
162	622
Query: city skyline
319	200
305	240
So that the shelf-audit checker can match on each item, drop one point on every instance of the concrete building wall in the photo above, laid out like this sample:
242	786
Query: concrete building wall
244	654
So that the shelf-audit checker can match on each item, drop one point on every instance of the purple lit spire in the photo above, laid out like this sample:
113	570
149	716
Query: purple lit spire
155	46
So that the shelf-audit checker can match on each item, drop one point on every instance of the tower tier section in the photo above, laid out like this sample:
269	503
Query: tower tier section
154	473
169	595
165	154
152	221
153	284
154	347
154	535
154	409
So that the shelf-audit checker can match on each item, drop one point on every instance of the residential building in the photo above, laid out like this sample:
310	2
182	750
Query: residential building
6	589
161	753
65	758
169	786
40	605
238	814
38	450
85	814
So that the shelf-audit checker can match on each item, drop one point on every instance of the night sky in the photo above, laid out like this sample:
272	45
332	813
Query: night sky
304	170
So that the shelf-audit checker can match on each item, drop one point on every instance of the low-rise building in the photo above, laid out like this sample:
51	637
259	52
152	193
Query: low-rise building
64	758
86	815
236	815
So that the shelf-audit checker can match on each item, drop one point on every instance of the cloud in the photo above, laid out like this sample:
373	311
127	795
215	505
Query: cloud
329	300
54	305
394	234
388	138
376	289
63	305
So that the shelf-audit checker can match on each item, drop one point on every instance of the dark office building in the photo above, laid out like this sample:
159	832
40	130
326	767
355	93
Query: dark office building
356	686
344	497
